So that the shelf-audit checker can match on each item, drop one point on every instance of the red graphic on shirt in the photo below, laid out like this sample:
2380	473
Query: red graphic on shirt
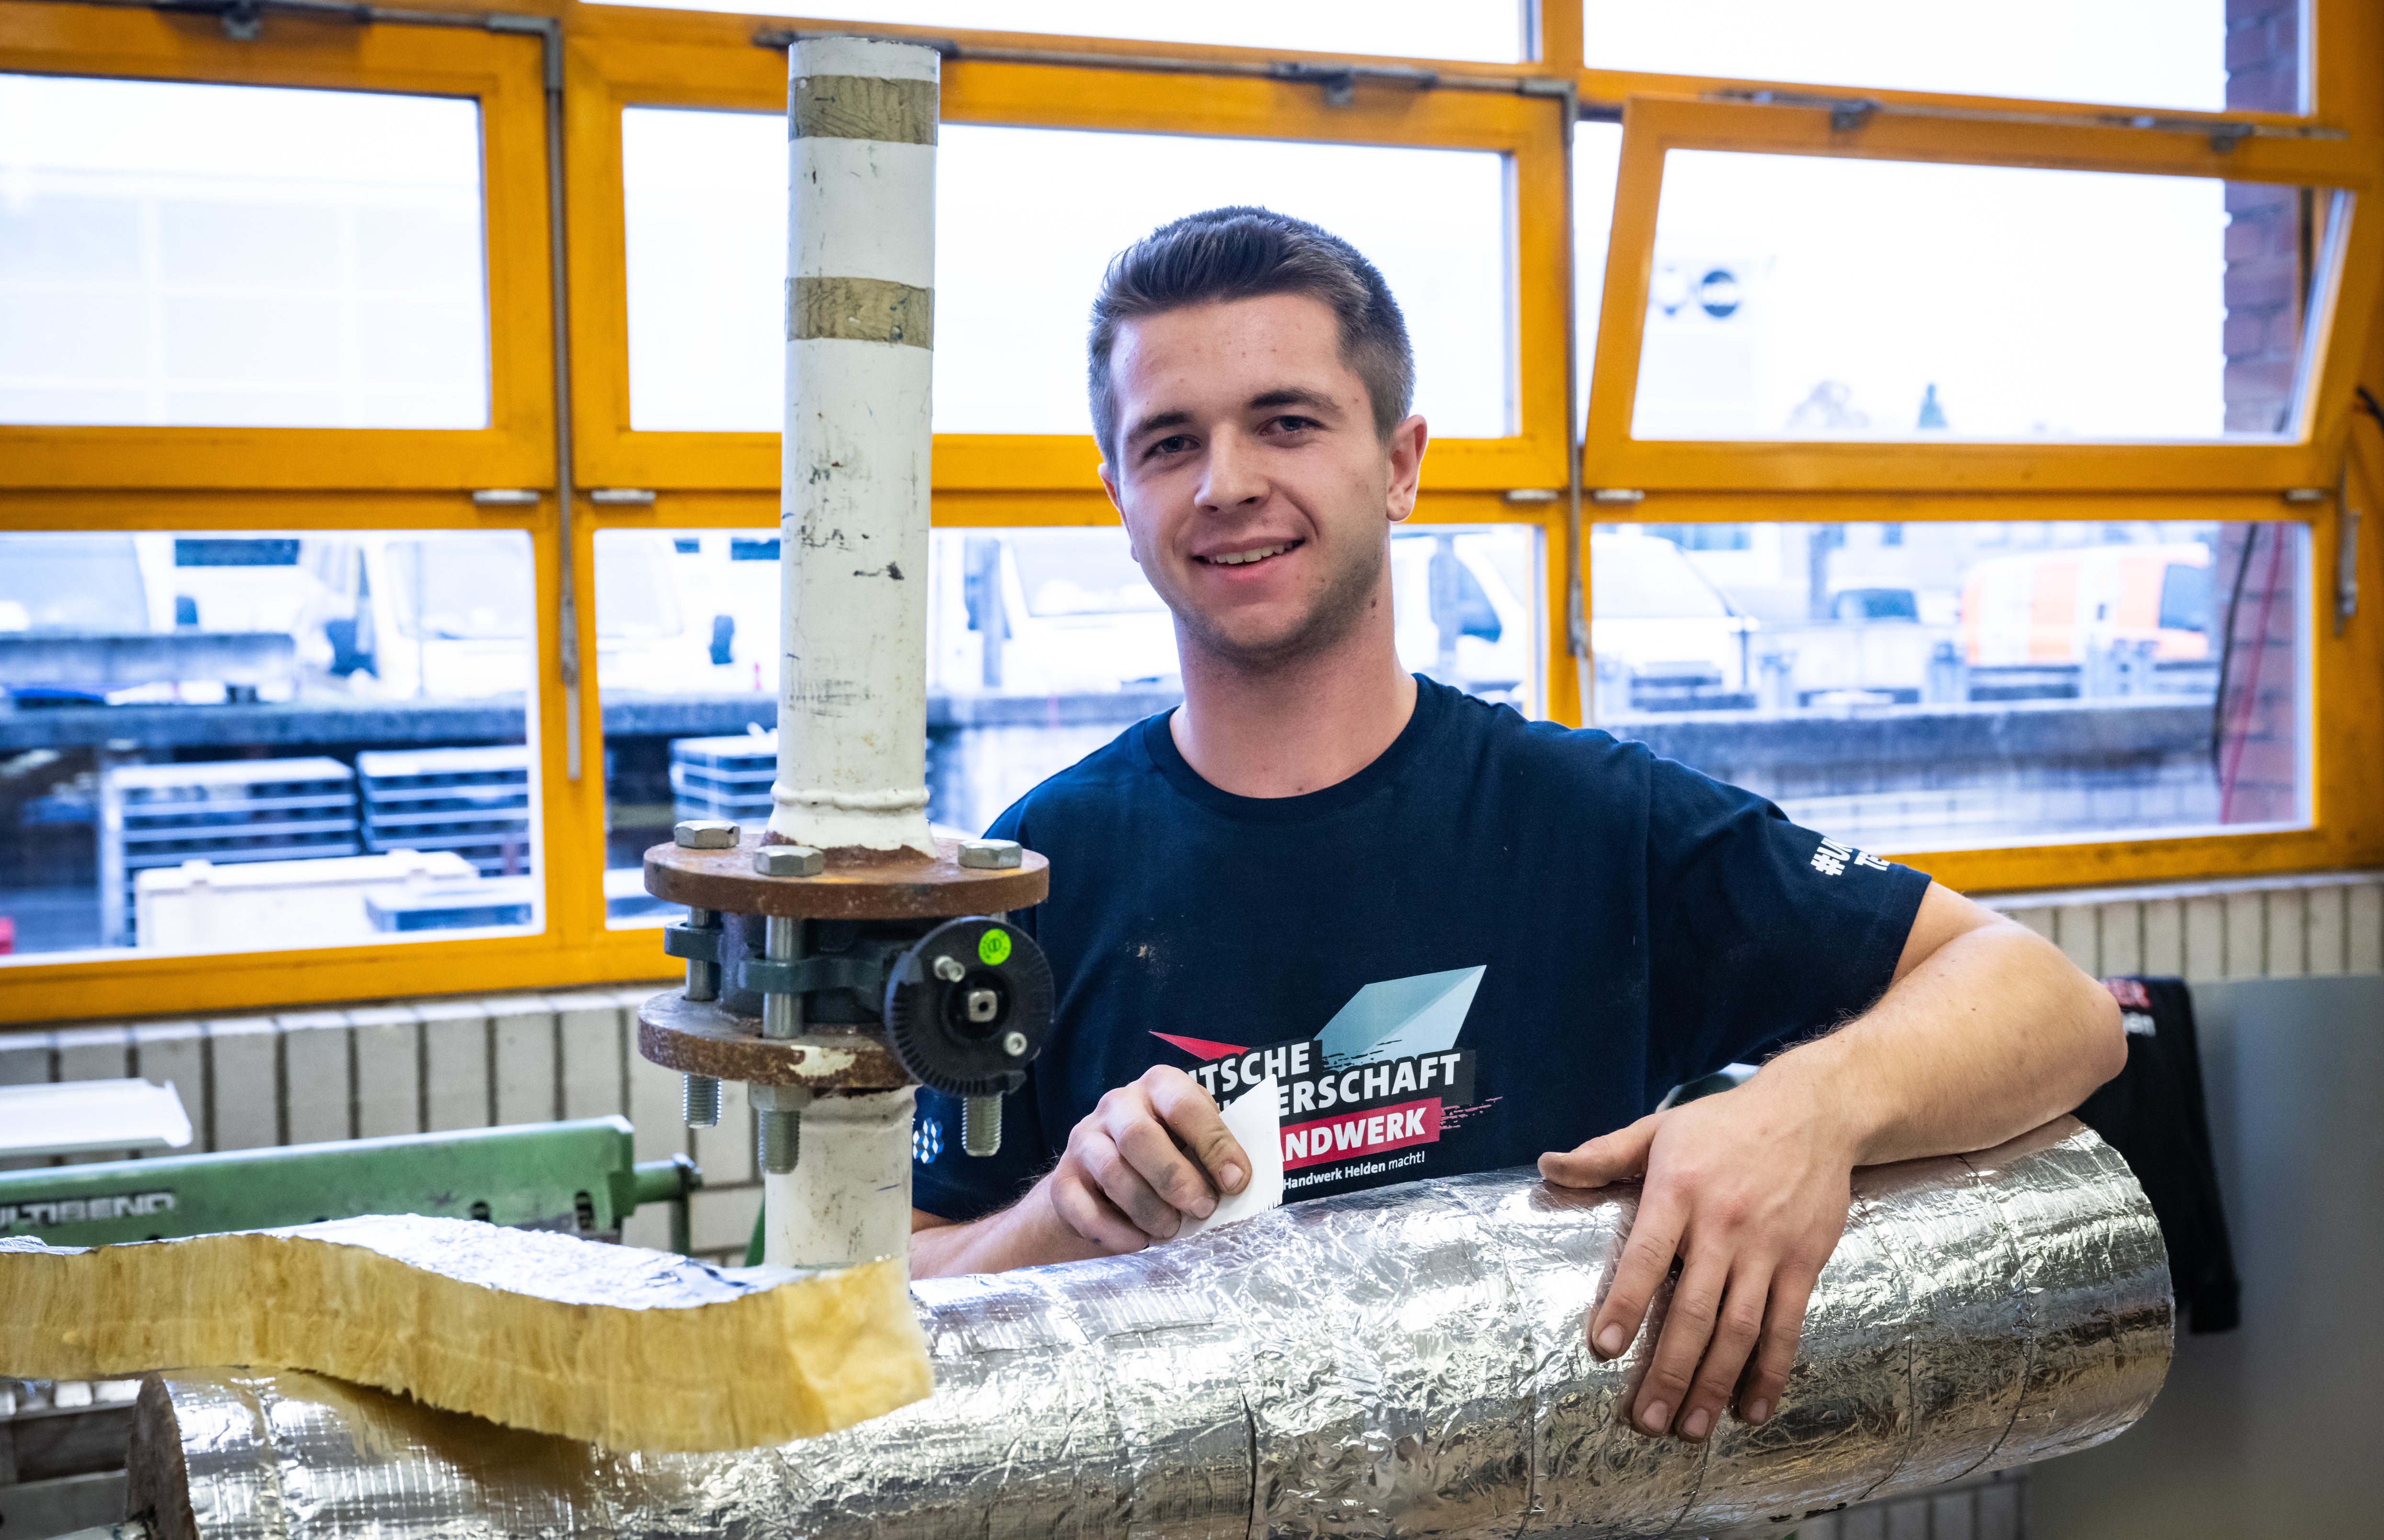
1199	1048
1367	1132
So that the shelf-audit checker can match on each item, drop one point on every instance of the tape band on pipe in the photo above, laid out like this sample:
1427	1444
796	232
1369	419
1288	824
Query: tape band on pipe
861	107
860	310
852	802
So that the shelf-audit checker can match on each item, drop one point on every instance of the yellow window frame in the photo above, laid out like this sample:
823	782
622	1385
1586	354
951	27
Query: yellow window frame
2345	684
2341	41
2342	307
503	73
1733	481
620	63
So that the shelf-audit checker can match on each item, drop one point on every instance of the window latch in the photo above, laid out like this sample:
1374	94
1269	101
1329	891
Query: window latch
1340	81
2346	550
242	20
1846	113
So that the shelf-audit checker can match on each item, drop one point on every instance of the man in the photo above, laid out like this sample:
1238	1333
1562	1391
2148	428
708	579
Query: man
1499	940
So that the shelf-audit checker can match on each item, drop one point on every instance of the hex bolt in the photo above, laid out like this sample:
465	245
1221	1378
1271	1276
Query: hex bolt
777	1140
950	970
782	1016
699	1098
702	978
981	1125
788	861
704	834
1015	1043
991	855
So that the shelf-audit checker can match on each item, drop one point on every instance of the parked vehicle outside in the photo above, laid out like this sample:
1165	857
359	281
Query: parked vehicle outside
1663	636
2062	606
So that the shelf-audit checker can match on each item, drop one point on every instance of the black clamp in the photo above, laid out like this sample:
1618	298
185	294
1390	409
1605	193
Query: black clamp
810	975
693	944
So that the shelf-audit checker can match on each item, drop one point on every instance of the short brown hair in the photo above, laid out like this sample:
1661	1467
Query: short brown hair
1242	253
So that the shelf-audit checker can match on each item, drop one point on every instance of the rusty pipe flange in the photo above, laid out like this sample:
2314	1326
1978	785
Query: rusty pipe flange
703	1037
857	884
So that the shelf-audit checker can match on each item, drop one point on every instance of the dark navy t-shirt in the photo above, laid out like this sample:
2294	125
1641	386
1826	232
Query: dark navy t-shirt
1499	938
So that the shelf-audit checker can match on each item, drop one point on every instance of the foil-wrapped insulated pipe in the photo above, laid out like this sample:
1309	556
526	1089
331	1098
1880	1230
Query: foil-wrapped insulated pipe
1408	1361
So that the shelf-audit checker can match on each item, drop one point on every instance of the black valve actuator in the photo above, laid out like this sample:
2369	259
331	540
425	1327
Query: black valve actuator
967	1009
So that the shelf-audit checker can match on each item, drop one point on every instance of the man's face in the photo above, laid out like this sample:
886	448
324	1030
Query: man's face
1255	491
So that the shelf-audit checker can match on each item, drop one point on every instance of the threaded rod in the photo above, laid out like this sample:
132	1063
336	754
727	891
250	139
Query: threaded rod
778	1140
981	1125
700	1100
782	1016
702	978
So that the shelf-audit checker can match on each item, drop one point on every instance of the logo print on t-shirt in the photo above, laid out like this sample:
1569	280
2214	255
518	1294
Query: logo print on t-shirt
1378	1078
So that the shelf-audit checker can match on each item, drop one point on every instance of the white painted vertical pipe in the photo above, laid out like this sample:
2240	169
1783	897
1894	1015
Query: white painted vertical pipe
861	261
847	1200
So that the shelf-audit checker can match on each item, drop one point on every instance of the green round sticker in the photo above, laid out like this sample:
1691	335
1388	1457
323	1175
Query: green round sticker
994	947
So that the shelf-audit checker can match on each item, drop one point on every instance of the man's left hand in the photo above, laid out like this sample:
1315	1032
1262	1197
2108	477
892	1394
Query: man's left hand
1749	1189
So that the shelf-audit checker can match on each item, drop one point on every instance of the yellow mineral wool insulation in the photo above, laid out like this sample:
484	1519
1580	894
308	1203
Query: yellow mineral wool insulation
633	1349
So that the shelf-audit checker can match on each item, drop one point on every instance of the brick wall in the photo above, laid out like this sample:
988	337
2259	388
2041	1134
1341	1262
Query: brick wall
2265	266
2259	600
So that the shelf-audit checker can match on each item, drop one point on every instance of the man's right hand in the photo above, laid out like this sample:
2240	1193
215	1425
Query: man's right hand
1148	1155
1153	1154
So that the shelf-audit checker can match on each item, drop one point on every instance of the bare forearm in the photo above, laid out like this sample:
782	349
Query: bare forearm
1992	1034
1027	1234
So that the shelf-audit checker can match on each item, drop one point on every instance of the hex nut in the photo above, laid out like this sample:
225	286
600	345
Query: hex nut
1014	1044
788	861
705	834
991	855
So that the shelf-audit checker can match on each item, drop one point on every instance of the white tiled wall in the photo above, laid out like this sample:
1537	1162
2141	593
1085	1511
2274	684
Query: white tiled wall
2261	927
417	1066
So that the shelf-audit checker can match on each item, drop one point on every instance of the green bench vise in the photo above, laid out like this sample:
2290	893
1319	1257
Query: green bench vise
580	1177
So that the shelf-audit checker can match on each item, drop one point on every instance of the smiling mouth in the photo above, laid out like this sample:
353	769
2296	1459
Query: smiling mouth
1245	558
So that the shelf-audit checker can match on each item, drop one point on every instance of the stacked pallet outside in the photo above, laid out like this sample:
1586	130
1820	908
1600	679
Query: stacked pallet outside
473	801
224	812
724	777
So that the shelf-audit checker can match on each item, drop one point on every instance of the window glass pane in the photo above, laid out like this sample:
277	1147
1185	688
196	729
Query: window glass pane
1043	644
240	742
239	256
1027	221
1491	32
2148	53
1935	686
1802	297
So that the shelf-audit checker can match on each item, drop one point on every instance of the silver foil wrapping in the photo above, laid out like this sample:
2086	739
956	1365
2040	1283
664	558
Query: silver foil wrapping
1409	1361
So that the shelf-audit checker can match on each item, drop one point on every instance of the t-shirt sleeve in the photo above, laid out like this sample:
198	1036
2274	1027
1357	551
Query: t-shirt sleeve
946	1179
1761	933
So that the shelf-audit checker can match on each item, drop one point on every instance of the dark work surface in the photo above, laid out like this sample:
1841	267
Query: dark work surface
1717	743
1720	742
310	723
290	725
